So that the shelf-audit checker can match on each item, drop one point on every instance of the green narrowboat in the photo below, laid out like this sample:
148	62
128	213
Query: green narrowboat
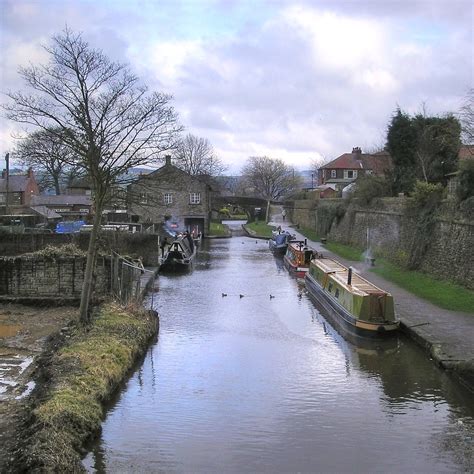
350	301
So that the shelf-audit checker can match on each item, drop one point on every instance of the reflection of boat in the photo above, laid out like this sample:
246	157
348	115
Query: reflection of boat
349	300
180	254
298	257
279	242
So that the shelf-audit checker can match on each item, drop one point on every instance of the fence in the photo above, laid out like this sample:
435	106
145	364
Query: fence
129	279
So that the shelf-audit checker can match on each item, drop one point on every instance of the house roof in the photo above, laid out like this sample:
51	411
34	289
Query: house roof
16	184
45	212
61	200
378	162
169	168
466	152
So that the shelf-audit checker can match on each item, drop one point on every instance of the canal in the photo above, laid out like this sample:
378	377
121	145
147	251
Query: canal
253	383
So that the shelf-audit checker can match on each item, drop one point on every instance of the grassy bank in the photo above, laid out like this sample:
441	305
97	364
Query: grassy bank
444	294
345	251
217	229
309	233
79	377
260	229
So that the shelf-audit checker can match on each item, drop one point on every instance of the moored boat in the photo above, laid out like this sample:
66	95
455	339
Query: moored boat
350	301
298	257
279	242
180	255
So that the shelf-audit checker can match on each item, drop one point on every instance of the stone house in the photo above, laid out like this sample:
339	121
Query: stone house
18	189
68	207
173	197
346	168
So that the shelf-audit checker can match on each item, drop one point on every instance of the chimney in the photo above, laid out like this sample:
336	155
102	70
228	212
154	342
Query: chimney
357	150
349	277
167	159
30	172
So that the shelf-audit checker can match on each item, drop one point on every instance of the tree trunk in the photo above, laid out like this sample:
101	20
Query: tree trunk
267	214
88	275
57	188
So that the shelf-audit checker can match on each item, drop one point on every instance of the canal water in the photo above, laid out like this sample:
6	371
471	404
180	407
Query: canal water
248	383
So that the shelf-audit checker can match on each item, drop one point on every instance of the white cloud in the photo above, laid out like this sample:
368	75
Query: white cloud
289	81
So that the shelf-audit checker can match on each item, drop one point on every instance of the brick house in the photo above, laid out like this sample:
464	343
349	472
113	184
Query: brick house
346	168
170	195
19	189
466	152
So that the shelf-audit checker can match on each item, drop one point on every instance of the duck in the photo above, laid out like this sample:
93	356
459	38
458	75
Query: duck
224	294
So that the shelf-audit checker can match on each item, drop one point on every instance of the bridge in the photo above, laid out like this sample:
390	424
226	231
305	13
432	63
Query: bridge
249	204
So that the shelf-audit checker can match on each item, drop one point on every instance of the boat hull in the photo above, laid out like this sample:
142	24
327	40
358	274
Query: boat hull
175	266
279	250
293	269
342	318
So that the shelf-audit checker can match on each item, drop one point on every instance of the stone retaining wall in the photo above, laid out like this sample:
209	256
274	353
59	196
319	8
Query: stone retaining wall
136	245
392	233
39	277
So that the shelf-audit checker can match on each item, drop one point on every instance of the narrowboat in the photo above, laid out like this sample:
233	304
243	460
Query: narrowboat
279	242
298	257
179	255
350	301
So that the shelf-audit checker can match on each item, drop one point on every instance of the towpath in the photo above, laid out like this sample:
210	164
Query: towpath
448	336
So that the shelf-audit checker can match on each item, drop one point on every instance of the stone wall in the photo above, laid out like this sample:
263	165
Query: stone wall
135	245
39	277
393	233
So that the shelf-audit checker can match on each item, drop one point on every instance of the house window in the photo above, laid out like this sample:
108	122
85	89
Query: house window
194	198
350	174
168	198
333	173
143	198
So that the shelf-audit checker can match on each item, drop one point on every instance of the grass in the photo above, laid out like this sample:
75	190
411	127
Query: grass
217	229
81	376
345	251
444	294
260	229
309	233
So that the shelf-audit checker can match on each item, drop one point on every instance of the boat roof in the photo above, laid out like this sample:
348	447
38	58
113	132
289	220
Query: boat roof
340	272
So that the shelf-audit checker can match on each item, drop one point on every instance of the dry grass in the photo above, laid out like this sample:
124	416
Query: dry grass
84	374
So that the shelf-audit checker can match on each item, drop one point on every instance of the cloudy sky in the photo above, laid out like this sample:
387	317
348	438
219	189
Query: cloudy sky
293	80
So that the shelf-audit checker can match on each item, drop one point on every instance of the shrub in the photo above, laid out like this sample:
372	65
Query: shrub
465	188
370	187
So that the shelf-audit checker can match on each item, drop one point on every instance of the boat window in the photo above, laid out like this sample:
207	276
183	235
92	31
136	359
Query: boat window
337	293
330	287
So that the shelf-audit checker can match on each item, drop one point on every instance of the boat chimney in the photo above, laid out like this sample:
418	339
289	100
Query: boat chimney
349	276
306	242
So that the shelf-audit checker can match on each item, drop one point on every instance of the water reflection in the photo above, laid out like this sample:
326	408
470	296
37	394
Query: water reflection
260	384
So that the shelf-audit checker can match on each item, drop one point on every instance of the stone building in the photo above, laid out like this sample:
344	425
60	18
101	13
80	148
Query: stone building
173	197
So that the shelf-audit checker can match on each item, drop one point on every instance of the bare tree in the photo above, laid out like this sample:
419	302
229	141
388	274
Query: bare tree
195	155
271	178
107	118
316	165
467	118
44	151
